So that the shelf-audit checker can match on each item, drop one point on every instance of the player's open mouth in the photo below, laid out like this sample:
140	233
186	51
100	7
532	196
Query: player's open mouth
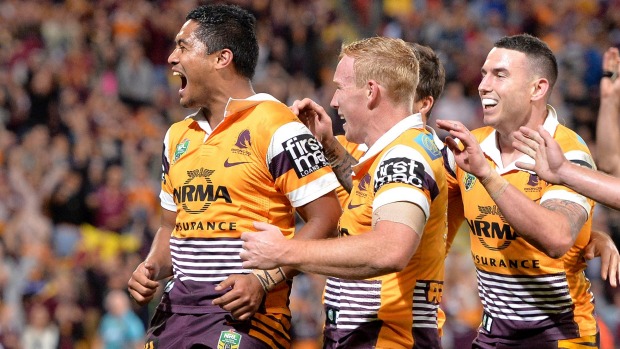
183	79
488	103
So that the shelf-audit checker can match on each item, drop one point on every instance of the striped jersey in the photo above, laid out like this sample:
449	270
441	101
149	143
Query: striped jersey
258	164
398	309
525	293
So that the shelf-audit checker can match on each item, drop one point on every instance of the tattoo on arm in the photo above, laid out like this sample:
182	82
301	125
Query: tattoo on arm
342	164
575	213
269	278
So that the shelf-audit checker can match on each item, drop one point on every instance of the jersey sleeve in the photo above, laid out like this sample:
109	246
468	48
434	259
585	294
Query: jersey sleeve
559	192
403	174
165	195
297	164
456	214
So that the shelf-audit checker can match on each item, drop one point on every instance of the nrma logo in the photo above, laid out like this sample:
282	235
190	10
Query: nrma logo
305	154
198	192
494	236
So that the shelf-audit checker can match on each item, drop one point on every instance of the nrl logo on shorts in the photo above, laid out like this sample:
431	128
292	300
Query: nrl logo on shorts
229	340
469	181
181	149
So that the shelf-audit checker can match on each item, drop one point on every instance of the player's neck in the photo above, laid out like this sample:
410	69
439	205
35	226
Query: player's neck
508	153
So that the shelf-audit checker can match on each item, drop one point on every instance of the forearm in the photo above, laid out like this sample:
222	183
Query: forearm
386	249
341	162
547	230
347	258
594	184
608	135
160	253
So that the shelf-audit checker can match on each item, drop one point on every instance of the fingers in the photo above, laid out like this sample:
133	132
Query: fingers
139	293
452	144
244	312
229	282
247	264
614	271
244	299
546	136
262	226
457	130
611	59
589	252
525	144
149	270
523	165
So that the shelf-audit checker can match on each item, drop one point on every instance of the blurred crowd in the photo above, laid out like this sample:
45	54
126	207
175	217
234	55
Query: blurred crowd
86	96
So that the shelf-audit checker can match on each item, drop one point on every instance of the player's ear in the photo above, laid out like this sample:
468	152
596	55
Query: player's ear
540	87
224	57
424	105
373	92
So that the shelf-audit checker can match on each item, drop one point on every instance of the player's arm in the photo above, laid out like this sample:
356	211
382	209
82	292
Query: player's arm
158	264
552	166
608	121
320	124
341	162
551	227
386	249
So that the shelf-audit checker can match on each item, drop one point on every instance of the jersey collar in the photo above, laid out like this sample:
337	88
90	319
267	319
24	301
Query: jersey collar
236	105
233	106
412	121
491	149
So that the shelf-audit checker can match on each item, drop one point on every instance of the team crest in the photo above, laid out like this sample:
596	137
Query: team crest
427	142
469	181
181	149
229	340
243	140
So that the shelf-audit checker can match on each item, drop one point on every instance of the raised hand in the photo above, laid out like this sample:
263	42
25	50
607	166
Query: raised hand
546	152
315	118
610	87
469	157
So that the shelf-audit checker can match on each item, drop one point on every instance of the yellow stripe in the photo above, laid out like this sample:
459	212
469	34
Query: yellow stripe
270	329
585	342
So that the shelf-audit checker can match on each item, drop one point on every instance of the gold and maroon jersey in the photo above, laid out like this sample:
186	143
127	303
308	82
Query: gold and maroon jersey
397	309
258	164
526	295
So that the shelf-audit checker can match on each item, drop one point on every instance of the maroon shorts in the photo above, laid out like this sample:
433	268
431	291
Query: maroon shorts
587	342
214	330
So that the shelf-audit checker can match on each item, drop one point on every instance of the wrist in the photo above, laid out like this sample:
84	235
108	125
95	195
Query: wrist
269	279
494	184
566	172
329	142
612	99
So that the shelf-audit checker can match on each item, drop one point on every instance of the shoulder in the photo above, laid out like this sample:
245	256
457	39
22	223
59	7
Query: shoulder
482	132
574	147
569	139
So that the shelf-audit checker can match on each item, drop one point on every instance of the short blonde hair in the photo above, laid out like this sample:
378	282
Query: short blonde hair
389	61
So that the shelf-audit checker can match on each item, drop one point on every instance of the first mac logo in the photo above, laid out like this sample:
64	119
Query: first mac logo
305	154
